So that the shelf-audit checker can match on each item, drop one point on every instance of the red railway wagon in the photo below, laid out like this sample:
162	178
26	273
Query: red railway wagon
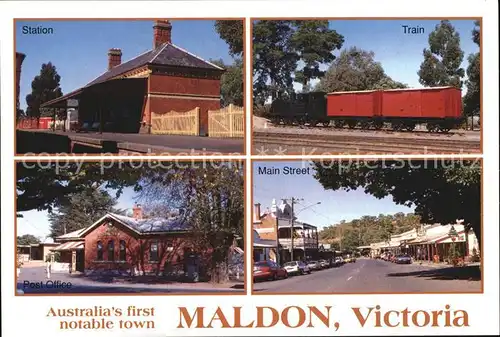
439	107
428	103
353	103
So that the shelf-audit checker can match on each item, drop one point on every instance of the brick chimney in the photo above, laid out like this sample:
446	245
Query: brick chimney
162	33
114	57
256	212
137	212
19	62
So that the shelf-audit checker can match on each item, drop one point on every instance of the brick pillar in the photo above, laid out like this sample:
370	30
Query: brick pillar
19	62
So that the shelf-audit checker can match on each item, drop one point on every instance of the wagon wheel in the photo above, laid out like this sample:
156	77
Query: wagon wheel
410	127
378	125
338	124
326	124
365	125
396	126
444	129
351	124
432	127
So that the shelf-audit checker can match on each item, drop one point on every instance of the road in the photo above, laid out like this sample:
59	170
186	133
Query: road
33	280
375	276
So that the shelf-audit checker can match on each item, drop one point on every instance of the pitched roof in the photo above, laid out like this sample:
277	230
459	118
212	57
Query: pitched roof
141	226
153	225
166	54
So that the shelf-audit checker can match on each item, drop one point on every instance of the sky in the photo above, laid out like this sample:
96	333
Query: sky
79	49
335	205
400	54
37	223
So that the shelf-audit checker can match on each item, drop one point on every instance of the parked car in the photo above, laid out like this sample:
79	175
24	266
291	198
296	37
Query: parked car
403	259
297	267
268	270
324	264
314	265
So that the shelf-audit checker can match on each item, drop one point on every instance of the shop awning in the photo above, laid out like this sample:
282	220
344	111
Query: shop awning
71	245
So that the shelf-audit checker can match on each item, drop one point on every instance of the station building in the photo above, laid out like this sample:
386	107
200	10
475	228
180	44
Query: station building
164	79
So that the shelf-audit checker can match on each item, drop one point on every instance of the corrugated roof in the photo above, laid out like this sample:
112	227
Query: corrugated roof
166	54
71	245
153	225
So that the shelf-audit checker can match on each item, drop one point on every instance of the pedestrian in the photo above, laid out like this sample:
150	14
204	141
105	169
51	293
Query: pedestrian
48	269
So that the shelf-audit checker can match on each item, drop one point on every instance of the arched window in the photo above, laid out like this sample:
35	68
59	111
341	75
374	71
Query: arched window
111	250
153	251
123	250
99	251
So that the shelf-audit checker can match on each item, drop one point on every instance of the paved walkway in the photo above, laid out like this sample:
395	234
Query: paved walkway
34	280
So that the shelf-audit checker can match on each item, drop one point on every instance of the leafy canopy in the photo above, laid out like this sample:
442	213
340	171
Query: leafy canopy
441	190
44	87
442	60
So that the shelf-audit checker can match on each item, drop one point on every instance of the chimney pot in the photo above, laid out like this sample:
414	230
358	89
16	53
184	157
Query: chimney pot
256	213
137	212
162	33
114	57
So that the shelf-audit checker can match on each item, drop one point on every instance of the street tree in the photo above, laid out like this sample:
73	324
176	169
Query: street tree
442	191
231	31
356	69
472	99
442	60
81	210
44	87
27	239
290	51
231	89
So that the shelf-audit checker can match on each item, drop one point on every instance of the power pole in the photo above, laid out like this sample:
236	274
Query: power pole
293	200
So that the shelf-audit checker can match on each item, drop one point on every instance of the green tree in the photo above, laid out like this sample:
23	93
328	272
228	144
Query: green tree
231	31
82	209
442	60
232	83
279	46
213	200
441	190
472	99
314	43
356	69
27	239
44	87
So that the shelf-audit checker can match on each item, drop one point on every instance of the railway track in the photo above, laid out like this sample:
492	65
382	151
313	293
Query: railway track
289	143
388	131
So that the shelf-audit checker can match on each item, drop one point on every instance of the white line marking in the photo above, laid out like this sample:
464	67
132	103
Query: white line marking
350	277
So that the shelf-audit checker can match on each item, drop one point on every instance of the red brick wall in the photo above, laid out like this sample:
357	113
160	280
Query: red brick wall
19	61
183	85
162	87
